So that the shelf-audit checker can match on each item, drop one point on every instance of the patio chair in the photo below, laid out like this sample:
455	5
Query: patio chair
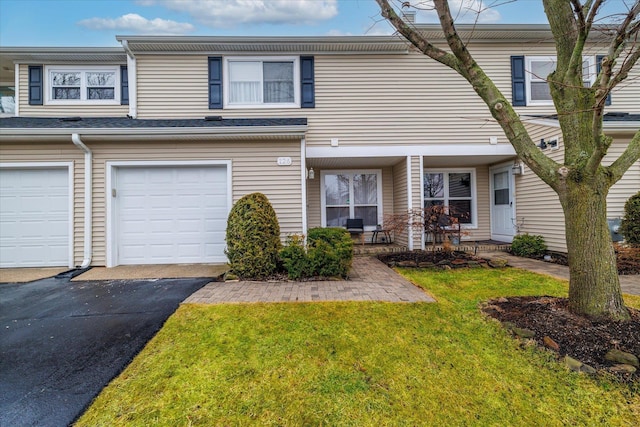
356	226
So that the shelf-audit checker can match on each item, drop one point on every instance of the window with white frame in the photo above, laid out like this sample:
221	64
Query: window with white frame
351	194
538	69
267	82
453	188
87	84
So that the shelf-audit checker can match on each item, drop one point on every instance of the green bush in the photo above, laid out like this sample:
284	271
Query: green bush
630	226
528	245
329	253
294	258
253	237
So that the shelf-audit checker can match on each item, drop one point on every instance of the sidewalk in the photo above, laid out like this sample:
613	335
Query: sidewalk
630	284
370	280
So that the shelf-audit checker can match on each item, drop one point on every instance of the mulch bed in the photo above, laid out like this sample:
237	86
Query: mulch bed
438	259
576	336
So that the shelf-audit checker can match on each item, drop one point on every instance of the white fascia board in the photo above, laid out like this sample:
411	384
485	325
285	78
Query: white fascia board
439	150
631	126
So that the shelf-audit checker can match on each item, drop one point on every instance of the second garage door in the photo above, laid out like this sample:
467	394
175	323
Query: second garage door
170	214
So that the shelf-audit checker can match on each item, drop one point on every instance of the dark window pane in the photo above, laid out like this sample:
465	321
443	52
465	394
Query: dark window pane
368	213
337	217
365	188
337	189
100	93
66	93
540	91
461	209
433	185
501	197
459	185
278	82
429	203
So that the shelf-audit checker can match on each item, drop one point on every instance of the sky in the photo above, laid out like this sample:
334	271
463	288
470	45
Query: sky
96	22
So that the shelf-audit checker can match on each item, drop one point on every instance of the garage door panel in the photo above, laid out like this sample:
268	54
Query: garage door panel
171	214
34	217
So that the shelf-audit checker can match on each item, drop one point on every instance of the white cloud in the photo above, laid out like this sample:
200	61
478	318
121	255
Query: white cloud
463	11
137	24
227	13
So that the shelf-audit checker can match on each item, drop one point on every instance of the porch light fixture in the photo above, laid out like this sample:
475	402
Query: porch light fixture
542	145
311	174
516	169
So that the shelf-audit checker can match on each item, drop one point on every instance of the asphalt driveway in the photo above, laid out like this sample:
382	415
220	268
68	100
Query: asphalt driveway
61	342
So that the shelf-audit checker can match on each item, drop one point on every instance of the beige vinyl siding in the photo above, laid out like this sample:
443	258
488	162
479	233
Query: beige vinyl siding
314	218
627	186
32	153
483	203
365	99
400	197
254	169
85	110
416	199
537	205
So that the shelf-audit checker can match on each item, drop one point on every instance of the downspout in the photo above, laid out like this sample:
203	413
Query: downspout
88	198
132	72
303	178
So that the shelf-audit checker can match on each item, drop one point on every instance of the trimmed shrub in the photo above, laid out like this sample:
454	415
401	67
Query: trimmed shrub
630	225
294	258
253	237
329	253
528	245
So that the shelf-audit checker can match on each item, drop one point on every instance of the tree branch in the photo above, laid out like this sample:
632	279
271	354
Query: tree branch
626	159
415	38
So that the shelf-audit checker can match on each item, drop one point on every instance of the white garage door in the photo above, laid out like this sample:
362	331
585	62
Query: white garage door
170	214
34	217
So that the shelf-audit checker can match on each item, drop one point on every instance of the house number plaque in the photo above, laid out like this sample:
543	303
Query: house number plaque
284	161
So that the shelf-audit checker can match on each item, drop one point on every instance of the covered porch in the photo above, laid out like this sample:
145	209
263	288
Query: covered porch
378	188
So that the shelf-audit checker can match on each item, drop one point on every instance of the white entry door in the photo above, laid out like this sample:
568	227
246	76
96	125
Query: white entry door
35	217
502	204
170	214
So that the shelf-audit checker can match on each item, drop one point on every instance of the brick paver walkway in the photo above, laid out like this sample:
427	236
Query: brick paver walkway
630	284
370	280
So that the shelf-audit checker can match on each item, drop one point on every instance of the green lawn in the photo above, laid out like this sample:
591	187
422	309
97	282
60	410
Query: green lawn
359	364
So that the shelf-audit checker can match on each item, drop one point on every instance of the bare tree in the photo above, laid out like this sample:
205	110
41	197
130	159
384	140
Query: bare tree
581	181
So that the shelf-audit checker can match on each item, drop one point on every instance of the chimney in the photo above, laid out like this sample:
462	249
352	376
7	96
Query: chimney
409	16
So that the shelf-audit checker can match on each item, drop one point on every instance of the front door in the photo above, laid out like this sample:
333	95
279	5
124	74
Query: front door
502	206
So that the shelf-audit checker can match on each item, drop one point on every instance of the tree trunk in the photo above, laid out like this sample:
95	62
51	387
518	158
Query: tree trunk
594	287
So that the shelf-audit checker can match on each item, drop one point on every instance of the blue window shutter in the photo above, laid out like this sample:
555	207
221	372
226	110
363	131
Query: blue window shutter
598	68
307	82
124	85
35	85
215	82
518	82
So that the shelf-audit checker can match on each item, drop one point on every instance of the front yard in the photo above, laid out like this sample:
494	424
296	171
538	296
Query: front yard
360	364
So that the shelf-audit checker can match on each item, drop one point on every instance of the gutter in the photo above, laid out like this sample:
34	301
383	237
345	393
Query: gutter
132	73
88	198
284	131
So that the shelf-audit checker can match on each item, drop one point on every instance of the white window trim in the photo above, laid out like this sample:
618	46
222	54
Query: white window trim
474	194
296	81
82	69
323	194
71	203
529	77
111	171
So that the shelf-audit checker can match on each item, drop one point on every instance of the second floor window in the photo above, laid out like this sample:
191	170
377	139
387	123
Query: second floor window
272	82
82	85
538	69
